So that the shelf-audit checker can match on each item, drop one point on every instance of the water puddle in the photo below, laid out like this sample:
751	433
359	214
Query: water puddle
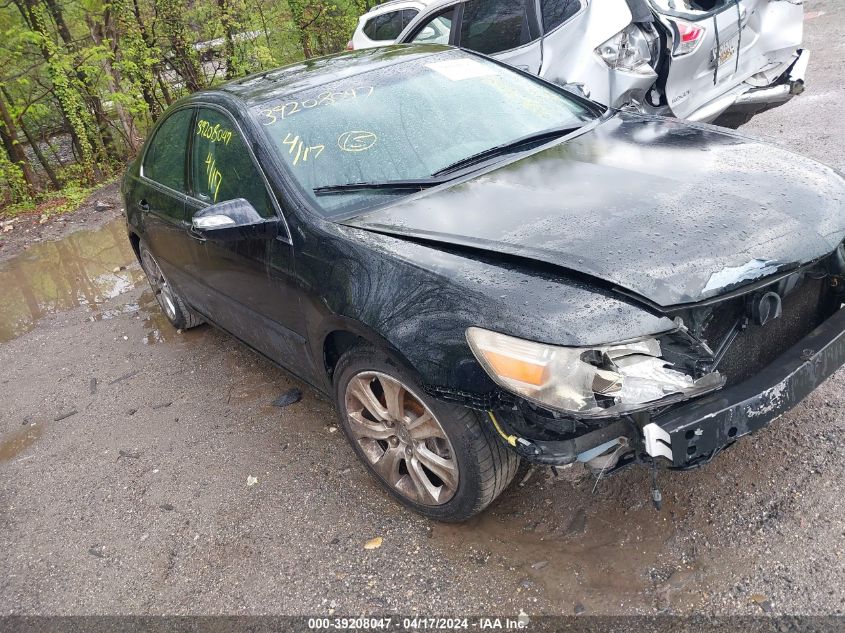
13	444
86	268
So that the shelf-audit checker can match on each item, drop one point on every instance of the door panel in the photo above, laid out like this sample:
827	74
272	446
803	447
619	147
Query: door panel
159	195
247	286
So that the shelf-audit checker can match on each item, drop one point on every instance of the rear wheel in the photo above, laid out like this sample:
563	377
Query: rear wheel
171	302
440	459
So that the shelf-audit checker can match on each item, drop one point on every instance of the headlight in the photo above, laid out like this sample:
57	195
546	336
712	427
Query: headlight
588	382
631	50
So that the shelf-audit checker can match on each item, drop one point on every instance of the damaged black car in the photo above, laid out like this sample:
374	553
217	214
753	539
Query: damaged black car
480	268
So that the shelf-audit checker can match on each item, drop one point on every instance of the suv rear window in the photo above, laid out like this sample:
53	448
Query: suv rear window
556	12
492	26
388	26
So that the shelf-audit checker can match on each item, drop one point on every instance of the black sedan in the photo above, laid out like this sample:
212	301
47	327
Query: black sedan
480	268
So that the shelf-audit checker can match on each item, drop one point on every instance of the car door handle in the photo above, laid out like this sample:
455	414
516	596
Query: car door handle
144	206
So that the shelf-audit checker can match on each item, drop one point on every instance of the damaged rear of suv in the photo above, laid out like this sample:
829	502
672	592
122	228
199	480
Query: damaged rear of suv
701	60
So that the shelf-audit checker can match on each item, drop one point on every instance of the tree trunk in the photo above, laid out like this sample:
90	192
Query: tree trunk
149	75
228	38
13	146
48	169
105	142
184	60
70	100
112	77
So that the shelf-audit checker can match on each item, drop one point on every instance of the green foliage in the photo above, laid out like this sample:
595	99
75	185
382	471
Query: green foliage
67	200
100	72
12	183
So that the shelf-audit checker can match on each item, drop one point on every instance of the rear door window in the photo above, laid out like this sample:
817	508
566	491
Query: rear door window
556	12
493	26
388	26
436	30
221	165
164	161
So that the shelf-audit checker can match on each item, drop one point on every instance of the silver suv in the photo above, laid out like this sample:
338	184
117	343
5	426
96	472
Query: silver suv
695	59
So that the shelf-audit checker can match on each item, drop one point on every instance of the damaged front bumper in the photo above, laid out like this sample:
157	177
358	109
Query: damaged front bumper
756	99
691	434
695	432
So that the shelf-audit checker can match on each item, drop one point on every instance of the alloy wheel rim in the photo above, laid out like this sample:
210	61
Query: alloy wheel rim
158	282
401	438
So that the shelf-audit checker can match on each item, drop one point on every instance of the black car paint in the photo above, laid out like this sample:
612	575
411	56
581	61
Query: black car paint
653	206
412	276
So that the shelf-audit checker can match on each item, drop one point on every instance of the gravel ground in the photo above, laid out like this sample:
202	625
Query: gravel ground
125	449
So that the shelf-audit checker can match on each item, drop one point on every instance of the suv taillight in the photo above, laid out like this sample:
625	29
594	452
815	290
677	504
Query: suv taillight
688	37
350	46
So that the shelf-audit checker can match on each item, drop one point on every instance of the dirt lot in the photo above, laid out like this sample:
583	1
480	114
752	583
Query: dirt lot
125	449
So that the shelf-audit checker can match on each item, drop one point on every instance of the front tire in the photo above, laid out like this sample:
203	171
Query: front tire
442	460
171	302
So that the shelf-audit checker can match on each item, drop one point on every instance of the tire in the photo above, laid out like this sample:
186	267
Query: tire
470	463
171	302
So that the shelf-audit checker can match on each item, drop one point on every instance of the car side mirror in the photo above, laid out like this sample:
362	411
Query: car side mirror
232	220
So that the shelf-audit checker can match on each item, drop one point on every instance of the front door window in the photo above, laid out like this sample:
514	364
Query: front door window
222	167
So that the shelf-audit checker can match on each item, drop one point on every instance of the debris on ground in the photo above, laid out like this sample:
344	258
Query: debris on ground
64	416
251	481
763	602
128	454
374	543
289	397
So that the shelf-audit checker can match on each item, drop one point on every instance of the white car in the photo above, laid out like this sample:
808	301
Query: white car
693	59
382	24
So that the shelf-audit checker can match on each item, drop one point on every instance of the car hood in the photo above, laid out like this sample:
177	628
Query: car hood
669	211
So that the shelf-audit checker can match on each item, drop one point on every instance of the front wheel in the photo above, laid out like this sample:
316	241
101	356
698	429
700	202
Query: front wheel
442	460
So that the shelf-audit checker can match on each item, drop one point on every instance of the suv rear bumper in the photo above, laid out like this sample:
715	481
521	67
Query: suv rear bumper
693	433
750	99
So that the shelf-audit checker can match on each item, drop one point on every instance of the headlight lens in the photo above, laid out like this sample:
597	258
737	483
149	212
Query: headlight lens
631	50
589	382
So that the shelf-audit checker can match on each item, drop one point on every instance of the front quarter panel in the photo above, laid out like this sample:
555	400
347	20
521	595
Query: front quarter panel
419	301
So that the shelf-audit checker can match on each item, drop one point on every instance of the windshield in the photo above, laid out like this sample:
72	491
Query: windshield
406	121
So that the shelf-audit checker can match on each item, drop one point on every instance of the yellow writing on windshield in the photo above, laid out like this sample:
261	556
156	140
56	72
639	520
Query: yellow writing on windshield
302	150
214	176
214	133
356	141
283	110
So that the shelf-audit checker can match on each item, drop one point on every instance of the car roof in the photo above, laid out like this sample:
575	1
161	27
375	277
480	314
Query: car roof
310	73
391	5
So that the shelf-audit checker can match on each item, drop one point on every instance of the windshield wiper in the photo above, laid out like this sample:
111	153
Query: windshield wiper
441	176
506	148
397	185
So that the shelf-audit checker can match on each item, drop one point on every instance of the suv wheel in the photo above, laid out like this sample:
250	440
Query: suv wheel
442	460
174	307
